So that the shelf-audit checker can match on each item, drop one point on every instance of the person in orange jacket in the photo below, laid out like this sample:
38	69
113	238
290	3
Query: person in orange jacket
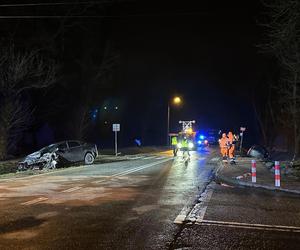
223	146
231	147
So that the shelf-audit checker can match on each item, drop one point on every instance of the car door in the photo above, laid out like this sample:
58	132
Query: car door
62	150
75	152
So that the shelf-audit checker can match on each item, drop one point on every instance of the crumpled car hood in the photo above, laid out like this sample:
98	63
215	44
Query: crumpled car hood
32	158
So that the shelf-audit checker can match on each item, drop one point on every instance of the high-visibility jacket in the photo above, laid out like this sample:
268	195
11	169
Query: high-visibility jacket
223	142
185	144
230	138
174	141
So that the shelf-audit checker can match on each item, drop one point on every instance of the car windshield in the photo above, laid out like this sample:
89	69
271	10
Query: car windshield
49	148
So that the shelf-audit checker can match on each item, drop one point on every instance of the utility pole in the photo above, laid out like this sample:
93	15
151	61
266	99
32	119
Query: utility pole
168	126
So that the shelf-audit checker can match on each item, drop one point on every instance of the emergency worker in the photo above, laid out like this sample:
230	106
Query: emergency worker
231	147
223	143
185	146
174	143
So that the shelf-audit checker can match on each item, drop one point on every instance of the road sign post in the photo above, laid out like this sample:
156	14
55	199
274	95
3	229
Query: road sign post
242	129
116	129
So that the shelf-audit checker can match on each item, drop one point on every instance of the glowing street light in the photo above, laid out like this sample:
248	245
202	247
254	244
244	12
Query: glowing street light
176	101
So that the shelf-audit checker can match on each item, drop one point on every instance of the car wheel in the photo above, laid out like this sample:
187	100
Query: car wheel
89	159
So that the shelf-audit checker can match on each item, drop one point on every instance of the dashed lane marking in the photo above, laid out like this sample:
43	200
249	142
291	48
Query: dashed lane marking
37	200
215	159
149	157
161	157
135	157
129	171
71	189
251	226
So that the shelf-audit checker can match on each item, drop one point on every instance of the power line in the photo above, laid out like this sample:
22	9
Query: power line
52	4
50	17
103	16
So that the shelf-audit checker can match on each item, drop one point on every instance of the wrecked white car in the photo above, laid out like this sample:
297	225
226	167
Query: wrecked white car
60	153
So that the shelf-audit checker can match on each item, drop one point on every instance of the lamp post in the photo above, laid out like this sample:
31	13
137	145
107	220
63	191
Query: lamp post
177	101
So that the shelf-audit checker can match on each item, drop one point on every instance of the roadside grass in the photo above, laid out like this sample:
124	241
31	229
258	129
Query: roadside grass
9	166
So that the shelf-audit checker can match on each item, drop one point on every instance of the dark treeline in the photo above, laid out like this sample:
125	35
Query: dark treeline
64	77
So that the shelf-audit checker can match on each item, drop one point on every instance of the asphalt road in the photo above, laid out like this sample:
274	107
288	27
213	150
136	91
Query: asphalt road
241	218
149	202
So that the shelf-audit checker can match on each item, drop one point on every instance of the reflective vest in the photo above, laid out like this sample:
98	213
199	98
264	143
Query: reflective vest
185	144
223	142
174	141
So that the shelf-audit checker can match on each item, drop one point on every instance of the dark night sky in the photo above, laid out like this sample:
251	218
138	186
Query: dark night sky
207	55
204	51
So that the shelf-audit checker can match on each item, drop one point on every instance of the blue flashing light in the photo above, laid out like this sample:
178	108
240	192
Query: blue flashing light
201	137
199	142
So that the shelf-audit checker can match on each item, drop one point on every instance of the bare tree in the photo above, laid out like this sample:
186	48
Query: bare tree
19	72
98	74
283	41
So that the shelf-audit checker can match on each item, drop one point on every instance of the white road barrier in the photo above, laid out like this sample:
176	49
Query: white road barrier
277	174
253	171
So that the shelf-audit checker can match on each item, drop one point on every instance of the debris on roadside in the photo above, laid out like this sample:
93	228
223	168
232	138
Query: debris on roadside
243	176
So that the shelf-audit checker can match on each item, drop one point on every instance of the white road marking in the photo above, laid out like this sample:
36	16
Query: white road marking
71	189
135	157
180	219
206	200
37	200
149	157
251	226
140	168
161	157
129	171
183	213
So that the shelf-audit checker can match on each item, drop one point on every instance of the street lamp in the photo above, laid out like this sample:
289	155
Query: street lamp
175	101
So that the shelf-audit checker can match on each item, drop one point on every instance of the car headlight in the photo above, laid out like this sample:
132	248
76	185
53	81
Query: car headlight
199	142
179	145
191	145
206	142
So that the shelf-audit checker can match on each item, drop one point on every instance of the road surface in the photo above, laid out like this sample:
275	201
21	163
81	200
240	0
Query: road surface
149	202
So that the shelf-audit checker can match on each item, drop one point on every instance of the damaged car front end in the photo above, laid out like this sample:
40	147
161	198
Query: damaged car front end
61	153
45	158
